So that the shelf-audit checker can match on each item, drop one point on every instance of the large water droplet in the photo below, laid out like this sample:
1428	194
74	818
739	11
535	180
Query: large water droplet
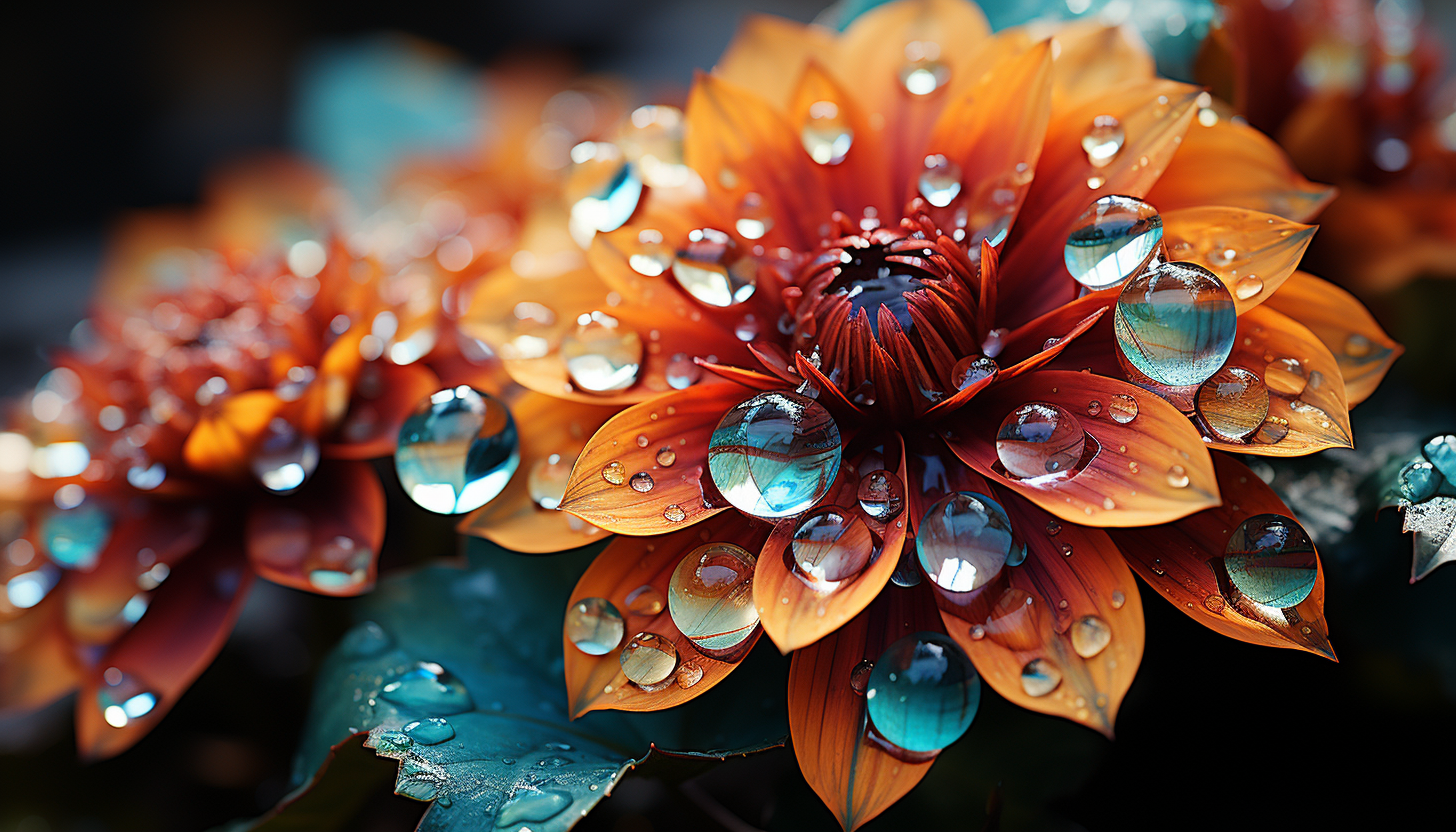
594	626
603	190
972	369
881	495
429	688
532	806
648	659
923	692
964	541
1271	561
1175	324
284	457
924	76
830	545
457	450
826	135
1040	677
430	731
712	270
1285	375
645	600
1038	439
1441	451
775	455
1103	141
123	698
74	537
1233	403
1112	240
940	180
1090	636
710	597
547	481
601	355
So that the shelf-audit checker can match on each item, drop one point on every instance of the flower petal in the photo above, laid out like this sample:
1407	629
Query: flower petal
854	777
1152	469
547	427
386	395
1251	252
1362	349
625	566
681	421
1433	542
793	613
768	53
223	438
1178	560
326	537
1093	58
39	662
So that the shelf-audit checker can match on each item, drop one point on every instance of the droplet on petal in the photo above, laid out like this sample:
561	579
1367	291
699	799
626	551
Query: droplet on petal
594	626
830	545
775	455
924	76
881	495
641	482
754	219
1270	560
602	188
123	698
547	480
826	135
940	180
1122	408
601	356
923	692
1103	141
1285	375
285	457
711	270
1248	286
428	688
648	659
457	450
645	600
1441	451
430	731
1040	677
682	372
859	677
1038	439
1175	324
1090	636
710	596
1113	239
1233	403
964	541
651	256
972	369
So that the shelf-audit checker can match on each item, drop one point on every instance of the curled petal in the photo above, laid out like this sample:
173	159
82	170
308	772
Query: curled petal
606	486
1182	561
517	519
223	439
630	564
386	396
325	538
1361	348
1152	469
1252	253
854	777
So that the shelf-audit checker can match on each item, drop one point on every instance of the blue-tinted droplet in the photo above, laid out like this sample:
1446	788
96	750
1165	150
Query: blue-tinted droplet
1175	324
775	455
965	540
1112	240
123	698
1270	560
457	450
923	692
1418	481
430	731
1441	451
75	537
532	806
1038	439
365	639
429	688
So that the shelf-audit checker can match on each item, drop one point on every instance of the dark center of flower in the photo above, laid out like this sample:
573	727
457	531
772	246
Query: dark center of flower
871	279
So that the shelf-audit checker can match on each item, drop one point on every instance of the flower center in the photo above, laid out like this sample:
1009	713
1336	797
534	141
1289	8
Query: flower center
871	280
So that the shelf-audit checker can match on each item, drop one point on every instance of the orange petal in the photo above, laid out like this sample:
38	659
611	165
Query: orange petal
793	613
384	397
1252	253
547	427
325	401
1093	58
631	442
1252	172
39	662
1307	410
768	53
751	379
627	565
1072	606
1362	349
1152	469
186	624
851	774
857	180
223	439
325	538
1178	559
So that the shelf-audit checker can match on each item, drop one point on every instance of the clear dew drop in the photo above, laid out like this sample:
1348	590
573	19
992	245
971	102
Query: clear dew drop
648	659
712	270
547	481
923	76
651	256
775	455
1040	677
964	541
859	677
601	356
972	369
641	482
1285	375
1094	408
1038	439
907	571
1178	476
923	692
689	674
430	731
1090	636
826	135
457	450
1118	599
1175	324
1233	403
1103	140
682	372
881	495
531	806
428	688
1270	560
674	513
1248	286
1122	408
614	472
594	626
830	545
1111	241
602	188
666	456
285	457
940	180
123	697
645	600
710	596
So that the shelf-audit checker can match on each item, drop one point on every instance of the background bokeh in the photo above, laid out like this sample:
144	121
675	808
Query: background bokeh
121	108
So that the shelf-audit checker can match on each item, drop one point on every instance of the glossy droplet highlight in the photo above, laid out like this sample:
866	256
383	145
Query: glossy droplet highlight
1039	439
594	626
285	458
123	698
775	455
859	677
1175	324
1178	476
641	482
712	271
924	76
1248	286
1040	677
689	674
1285	375
602	188
666	456
964	541
648	659
1233	403
531	806
1122	408
1270	560
429	688
940	180
547	480
601	355
457	450
74	537
972	369
710	596
826	135
923	692
830	545
682	372
1090	636
430	731
651	256
614	472
645	600
674	513
1103	141
1111	241
881	495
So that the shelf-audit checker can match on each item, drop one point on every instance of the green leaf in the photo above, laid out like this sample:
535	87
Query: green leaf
478	647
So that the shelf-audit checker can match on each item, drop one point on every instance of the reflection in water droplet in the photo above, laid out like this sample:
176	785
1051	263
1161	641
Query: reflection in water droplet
1178	476
645	600
830	545
1118	599
1040	677
1122	408
907	571
1113	239
859	677
1285	375
940	180
1103	141
641	482
594	626
710	596
666	456
964	541
775	455
713	271
674	513
1090	636
123	698
547	480
651	257
689	674
600	355
1175	324
972	369
614	472
881	495
602	189
1271	561
1248	286
429	688
284	457
924	76
1038	439
754	219
682	372
1233	403
826	135
922	692
457	450
74	537
648	659
430	731
1094	408
532	806
1272	431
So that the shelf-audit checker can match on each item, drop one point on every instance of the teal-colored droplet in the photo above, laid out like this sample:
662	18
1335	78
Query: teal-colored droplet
457	450
123	698
923	692
532	806
1270	560
428	688
1441	451
74	537
430	731
1418	481
1175	324
775	455
1112	240
965	540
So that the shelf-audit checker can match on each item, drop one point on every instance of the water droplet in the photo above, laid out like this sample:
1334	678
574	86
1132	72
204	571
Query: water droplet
430	731
1214	603
1175	324
594	626
674	513
1090	636
1094	408
532	806
689	674
74	537
1040	677
1118	599
284	457
648	659
365	639
602	188
1178	476
710	596
1103	141
754	219
600	355
1053	528
859	677
645	600
775	455
972	369
907	571
977	632
614	472
1248	286
924	76
1441	451
1113	239
1038	439
666	456
1271	561
964	541
1272	431
826	135
1285	375
881	495
940	180
922	692
1358	346
682	372
1233	403
547	480
651	256
123	698
429	688
1122	408
830	545
457	450
1066	549
711	269
641	482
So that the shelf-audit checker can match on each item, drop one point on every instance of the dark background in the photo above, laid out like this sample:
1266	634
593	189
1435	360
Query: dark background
113	109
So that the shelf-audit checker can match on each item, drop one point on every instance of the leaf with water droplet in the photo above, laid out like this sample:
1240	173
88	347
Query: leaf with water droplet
1263	245
1433	522
1359	345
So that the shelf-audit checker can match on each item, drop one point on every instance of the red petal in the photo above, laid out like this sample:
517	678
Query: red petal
325	538
370	428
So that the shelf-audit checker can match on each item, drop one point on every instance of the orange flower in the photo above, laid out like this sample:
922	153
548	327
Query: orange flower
867	407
